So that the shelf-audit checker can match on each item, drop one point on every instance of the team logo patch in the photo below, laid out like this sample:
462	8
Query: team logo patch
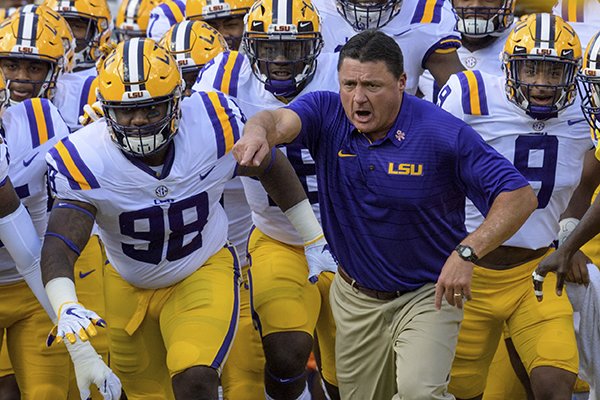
539	126
400	136
470	62
161	191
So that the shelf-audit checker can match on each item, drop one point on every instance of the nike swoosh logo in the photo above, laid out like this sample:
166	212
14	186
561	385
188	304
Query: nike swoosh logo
342	154
303	24
70	312
27	162
401	33
574	121
203	176
84	274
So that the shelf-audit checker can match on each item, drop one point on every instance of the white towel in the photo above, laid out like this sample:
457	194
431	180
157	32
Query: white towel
586	301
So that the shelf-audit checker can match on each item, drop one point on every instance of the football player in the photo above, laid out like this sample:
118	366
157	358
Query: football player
151	174
535	126
193	44
425	30
484	26
281	61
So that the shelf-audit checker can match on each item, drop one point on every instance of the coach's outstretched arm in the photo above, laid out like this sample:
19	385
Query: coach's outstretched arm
263	131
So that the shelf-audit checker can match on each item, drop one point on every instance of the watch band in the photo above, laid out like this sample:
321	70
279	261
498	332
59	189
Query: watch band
461	249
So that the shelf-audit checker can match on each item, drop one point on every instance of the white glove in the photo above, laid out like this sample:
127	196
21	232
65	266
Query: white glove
319	258
91	113
74	321
90	369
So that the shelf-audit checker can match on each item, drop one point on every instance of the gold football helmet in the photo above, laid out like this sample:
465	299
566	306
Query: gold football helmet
94	13
31	36
588	80
540	60
63	28
282	44
192	44
133	18
140	74
481	20
370	14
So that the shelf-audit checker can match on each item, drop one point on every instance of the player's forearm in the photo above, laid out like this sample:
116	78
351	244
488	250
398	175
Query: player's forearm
508	213
281	182
67	234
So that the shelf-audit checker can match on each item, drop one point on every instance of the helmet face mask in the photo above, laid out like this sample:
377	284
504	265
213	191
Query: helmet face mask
147	139
478	21
364	15
140	79
542	85
541	58
284	65
283	49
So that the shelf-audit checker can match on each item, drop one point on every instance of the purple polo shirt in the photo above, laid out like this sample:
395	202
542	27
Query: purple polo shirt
394	210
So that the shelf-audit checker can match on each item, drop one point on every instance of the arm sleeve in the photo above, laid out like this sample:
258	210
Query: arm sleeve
483	172
24	246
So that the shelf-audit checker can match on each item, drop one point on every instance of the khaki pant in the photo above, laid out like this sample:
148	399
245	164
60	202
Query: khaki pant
397	349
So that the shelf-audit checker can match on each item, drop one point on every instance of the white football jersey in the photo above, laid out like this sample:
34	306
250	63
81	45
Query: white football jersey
157	229
421	27
582	15
487	59
231	73
164	16
31	128
73	91
548	153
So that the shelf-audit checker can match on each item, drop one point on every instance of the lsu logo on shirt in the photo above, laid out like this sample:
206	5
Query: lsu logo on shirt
405	169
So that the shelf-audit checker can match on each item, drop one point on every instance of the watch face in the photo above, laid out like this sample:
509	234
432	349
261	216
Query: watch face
466	252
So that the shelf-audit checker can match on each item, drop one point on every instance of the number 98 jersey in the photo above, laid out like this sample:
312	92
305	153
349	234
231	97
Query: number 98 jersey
549	153
158	228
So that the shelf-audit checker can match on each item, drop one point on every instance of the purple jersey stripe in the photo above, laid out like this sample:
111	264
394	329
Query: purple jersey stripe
85	171
234	126
482	96
221	71
83	98
466	93
48	118
62	168
214	118
235	74
33	129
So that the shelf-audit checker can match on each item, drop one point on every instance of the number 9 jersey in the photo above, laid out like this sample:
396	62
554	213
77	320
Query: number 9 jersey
157	227
548	153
